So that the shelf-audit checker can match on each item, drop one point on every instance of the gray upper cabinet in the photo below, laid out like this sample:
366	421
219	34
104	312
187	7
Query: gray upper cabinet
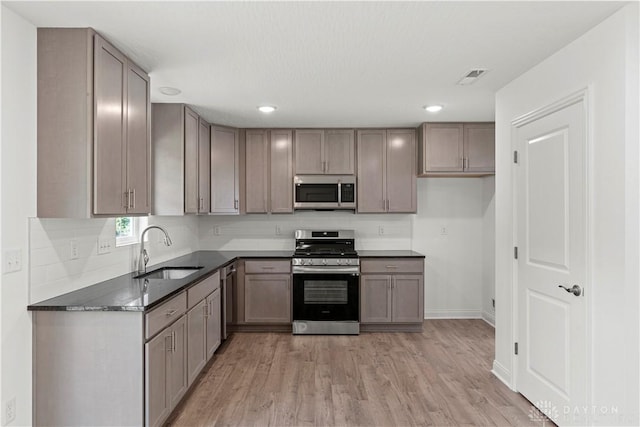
456	149
191	131
181	154
320	151
204	167
93	118
257	171
225	170
269	171
386	171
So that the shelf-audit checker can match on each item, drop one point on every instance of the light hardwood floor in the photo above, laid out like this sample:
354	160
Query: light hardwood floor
439	377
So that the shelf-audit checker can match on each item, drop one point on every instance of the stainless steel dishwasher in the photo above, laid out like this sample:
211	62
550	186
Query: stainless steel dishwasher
228	286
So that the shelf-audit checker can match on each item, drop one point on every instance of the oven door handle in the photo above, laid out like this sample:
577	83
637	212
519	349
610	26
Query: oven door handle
325	270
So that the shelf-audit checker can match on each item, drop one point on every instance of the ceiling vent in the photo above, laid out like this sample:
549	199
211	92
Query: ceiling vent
472	76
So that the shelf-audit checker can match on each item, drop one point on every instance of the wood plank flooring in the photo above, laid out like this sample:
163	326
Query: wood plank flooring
438	377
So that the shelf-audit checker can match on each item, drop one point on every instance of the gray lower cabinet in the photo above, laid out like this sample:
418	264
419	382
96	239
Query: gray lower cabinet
267	291
213	323
159	354
392	291
166	372
386	171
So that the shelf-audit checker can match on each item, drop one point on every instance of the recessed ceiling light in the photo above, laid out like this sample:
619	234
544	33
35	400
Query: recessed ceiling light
171	91
267	108
433	108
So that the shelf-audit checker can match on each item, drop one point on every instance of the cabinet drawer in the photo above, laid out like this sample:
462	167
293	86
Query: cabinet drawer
392	265
158	318
197	293
252	267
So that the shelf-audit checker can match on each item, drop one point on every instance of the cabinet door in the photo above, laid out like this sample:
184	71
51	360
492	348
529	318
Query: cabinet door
480	147
443	147
408	298
375	299
281	171
339	152
196	341
214	323
225	167
309	146
267	298
372	163
401	171
204	167
257	167
138	140
110	194
178	369
191	130
157	355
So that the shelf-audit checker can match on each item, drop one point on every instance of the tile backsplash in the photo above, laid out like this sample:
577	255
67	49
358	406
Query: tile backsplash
276	232
55	270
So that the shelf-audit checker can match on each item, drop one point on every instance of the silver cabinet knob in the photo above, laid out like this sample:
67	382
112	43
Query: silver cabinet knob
575	289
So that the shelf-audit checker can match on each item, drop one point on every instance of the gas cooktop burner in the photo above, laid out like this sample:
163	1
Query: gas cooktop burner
325	244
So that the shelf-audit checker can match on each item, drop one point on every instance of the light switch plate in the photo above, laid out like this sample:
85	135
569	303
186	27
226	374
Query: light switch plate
104	245
11	261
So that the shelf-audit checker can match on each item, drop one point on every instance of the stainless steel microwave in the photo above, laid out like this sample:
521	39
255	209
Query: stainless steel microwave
324	192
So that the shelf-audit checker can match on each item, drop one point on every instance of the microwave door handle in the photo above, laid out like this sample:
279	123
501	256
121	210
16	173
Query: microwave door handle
339	193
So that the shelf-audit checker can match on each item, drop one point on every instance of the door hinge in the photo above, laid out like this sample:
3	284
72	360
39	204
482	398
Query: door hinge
515	348
515	157
515	252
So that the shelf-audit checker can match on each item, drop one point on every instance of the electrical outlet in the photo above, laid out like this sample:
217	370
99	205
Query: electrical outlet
278	230
11	261
216	230
444	231
73	249
104	245
10	411
381	230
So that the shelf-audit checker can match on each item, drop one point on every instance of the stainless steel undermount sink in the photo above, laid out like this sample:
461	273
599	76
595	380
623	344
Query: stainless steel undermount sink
169	273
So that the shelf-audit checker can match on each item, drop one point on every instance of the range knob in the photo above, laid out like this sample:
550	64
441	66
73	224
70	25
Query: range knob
324	262
309	262
348	262
339	262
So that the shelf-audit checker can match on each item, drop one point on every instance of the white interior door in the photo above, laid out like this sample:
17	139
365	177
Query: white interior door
551	216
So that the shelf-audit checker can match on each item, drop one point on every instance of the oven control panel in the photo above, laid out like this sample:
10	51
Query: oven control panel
329	262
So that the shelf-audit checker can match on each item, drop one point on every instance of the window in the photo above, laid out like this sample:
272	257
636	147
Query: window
128	229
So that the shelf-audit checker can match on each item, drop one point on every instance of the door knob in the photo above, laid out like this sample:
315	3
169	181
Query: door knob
575	289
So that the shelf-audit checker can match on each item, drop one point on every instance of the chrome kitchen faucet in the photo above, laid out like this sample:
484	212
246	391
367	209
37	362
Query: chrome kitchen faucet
143	259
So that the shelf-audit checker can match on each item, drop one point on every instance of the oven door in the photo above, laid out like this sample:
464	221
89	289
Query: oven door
326	296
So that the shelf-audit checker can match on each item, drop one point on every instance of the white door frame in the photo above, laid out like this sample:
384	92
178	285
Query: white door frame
579	96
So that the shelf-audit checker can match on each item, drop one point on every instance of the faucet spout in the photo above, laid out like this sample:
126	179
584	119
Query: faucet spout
143	258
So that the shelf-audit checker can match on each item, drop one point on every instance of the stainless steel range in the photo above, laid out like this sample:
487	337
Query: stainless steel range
326	283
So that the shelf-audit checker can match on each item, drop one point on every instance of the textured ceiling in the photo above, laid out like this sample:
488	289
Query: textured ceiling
329	64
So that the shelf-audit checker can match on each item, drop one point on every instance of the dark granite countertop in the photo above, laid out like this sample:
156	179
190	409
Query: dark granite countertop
126	293
389	254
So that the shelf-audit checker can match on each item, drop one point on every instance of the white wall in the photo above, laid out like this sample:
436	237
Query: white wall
18	170
488	249
53	272
599	60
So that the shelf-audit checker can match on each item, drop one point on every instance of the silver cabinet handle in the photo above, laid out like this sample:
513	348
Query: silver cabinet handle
268	268
205	307
170	348
171	313
173	340
235	204
391	266
133	198
575	289
125	199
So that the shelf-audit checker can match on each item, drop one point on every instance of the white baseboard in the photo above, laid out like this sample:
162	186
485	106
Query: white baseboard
502	374
453	314
490	318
